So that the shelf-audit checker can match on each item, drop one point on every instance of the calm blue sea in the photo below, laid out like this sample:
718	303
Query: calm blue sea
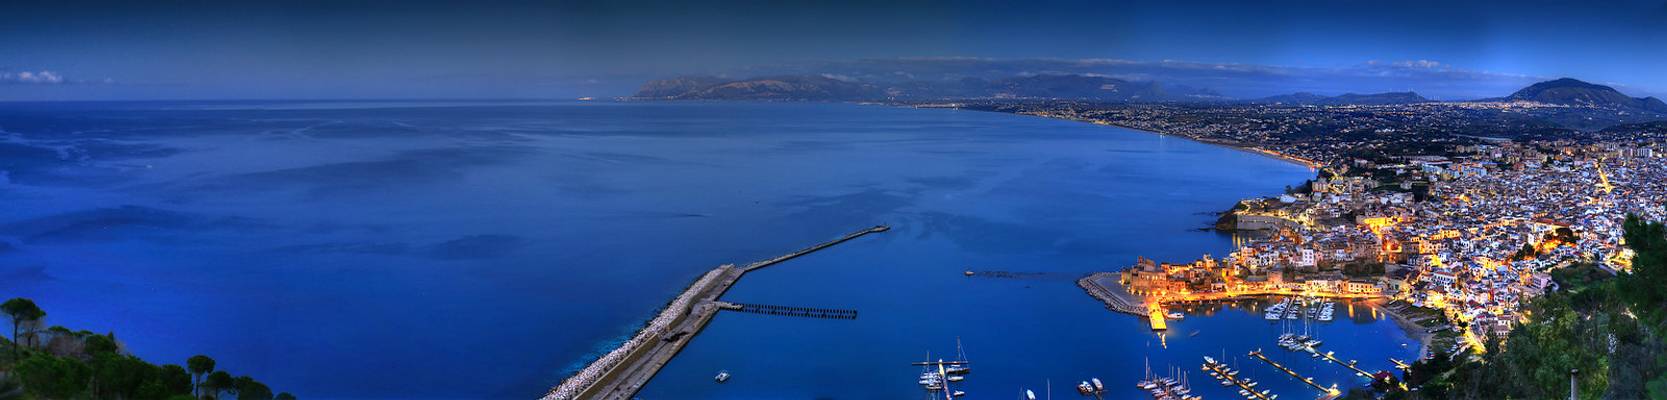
484	250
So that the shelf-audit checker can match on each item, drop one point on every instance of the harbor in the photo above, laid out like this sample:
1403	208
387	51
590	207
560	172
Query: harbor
1230	377
1325	392
621	373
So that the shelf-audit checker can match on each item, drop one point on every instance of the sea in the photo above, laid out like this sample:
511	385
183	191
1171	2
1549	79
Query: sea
487	249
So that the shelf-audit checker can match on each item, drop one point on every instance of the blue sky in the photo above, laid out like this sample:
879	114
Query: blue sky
219	50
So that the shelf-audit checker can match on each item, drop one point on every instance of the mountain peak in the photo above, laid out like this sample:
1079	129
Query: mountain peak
1570	91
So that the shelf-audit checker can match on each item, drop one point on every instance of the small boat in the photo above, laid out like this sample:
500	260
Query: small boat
1030	395
1176	315
957	378
723	376
1085	388
1098	387
958	393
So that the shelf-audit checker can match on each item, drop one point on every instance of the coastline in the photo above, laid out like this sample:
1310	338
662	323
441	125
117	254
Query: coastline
1412	329
1253	150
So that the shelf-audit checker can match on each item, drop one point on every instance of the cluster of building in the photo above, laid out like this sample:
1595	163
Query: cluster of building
1329	134
1473	231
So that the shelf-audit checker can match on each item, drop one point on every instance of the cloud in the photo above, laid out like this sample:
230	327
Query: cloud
43	77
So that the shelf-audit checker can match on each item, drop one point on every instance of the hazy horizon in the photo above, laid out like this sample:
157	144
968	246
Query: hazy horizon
118	51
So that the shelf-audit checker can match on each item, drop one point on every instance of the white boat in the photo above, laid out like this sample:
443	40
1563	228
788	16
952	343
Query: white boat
959	393
1176	315
1098	387
1030	395
956	378
722	377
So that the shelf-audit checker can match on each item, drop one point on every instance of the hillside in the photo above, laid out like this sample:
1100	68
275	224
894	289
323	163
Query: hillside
1568	91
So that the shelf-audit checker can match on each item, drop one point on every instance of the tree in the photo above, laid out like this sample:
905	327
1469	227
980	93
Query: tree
120	377
284	396
48	377
100	344
21	311
175	380
199	365
249	389
216	382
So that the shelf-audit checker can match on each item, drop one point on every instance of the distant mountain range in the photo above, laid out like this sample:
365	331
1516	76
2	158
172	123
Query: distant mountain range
836	88
827	87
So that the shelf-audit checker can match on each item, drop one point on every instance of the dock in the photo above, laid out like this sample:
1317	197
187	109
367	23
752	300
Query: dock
621	373
1155	315
811	312
1332	391
1350	365
812	249
1244	384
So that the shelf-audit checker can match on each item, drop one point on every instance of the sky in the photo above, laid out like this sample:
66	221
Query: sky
73	50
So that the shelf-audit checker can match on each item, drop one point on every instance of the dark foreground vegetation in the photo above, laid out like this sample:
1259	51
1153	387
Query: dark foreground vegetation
1608	332
58	363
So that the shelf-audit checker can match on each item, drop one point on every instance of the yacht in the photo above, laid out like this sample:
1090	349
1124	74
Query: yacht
723	376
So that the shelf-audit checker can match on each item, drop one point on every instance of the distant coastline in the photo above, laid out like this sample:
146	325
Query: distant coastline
1253	150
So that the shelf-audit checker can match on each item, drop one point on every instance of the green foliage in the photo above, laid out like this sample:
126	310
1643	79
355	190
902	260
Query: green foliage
1611	330
217	382
199	365
48	377
174	379
99	370
118	376
284	396
10	389
100	344
250	389
1647	286
21	311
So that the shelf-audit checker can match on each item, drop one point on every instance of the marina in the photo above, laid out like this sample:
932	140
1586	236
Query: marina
1230	377
1325	392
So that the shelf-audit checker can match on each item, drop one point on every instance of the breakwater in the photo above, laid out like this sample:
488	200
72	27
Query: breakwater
622	372
1107	287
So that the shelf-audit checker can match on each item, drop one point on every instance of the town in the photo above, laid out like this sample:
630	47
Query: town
1458	236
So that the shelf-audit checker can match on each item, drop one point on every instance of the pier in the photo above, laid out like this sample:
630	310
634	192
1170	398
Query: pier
1107	287
1331	391
621	373
1155	315
1350	365
1244	384
812	312
812	249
